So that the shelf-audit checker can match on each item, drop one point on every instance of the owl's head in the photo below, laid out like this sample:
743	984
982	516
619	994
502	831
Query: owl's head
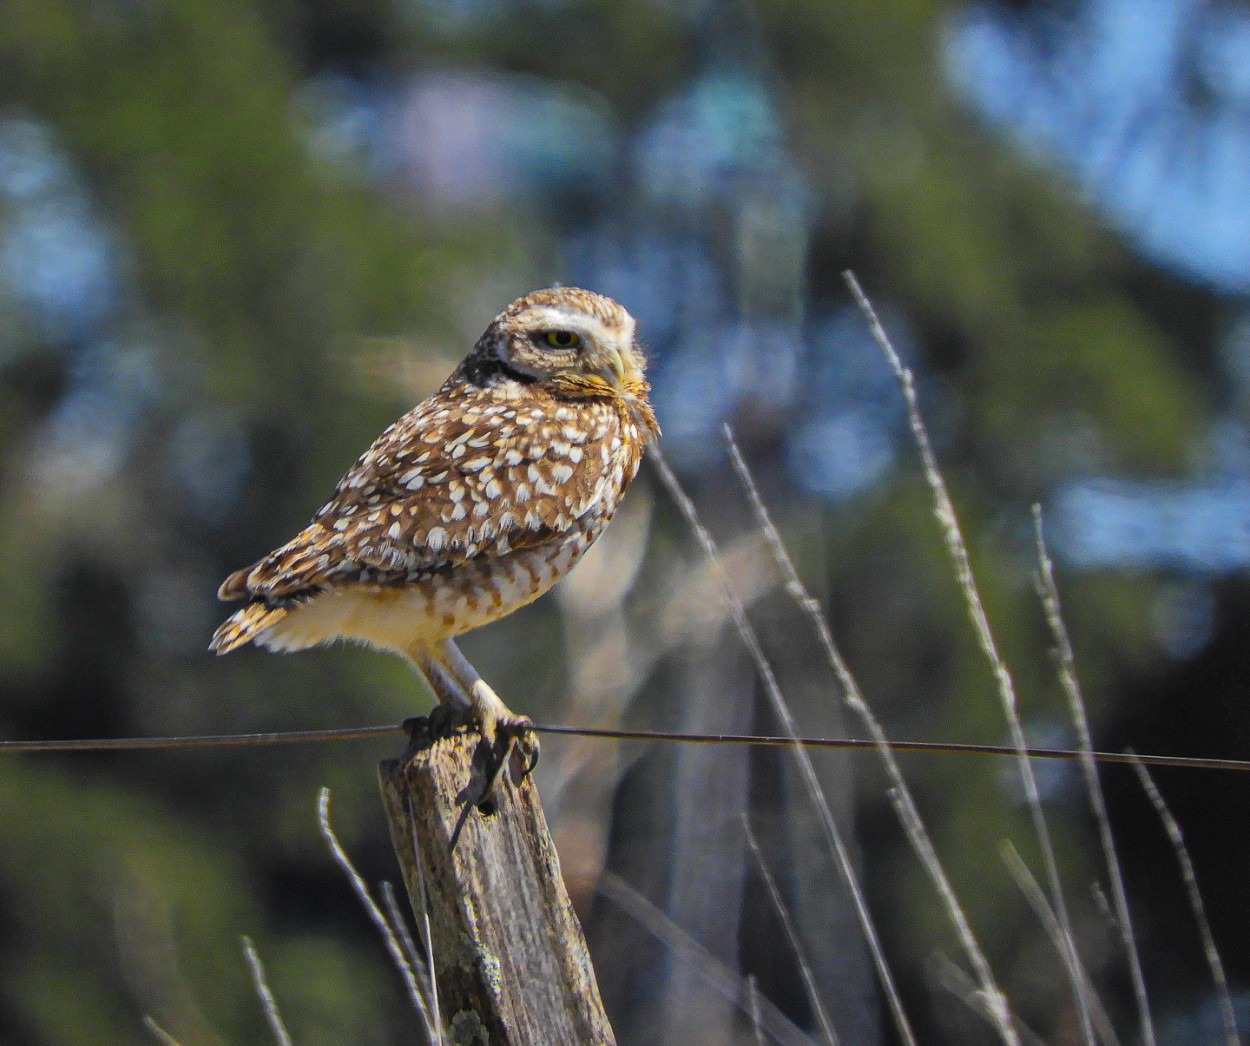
577	342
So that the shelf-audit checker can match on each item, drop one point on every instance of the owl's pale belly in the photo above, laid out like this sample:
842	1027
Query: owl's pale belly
401	618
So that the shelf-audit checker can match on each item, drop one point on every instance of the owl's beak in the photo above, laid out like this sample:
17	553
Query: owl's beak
615	371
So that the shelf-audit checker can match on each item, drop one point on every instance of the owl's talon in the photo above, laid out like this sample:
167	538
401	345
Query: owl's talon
525	744
519	740
512	735
501	739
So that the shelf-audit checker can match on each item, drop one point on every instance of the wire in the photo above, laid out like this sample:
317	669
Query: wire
116	744
930	747
129	744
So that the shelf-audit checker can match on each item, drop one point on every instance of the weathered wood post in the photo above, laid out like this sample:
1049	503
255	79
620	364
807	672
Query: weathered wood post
509	956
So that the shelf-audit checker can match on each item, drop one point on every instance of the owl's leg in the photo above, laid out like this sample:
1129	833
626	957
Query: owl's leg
493	716
454	707
502	729
465	699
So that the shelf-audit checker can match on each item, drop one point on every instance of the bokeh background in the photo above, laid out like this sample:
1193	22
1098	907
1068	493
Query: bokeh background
239	237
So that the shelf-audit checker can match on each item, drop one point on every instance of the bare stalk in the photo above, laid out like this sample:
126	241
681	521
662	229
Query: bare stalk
1228	1017
374	912
272	1016
728	984
953	978
753	1000
159	1033
994	1001
944	510
1048	591
1036	897
792	935
399	926
833	836
423	921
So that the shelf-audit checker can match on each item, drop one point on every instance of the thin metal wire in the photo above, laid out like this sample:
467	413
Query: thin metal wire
127	744
363	733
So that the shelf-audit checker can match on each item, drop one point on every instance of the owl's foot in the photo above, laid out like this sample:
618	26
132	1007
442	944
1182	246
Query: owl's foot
446	719
503	731
503	737
514	738
466	700
443	721
502	741
417	727
525	745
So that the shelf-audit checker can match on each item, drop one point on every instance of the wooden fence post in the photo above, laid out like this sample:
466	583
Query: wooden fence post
509	956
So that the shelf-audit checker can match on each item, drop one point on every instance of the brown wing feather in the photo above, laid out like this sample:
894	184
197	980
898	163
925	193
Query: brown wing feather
468	472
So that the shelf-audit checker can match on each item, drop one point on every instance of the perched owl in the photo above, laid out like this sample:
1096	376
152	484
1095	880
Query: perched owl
474	503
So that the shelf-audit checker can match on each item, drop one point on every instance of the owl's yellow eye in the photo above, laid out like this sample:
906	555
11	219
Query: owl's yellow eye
564	339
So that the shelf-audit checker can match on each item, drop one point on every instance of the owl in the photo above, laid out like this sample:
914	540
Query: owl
471	505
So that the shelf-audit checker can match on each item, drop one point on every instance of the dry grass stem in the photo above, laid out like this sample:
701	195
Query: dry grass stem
393	946
1228	1016
159	1033
1048	591
1036	897
955	980
399	926
753	1002
728	984
272	1016
434	1026
792	935
833	836
900	794
944	510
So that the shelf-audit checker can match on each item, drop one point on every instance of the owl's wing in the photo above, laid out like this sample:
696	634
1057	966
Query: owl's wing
451	480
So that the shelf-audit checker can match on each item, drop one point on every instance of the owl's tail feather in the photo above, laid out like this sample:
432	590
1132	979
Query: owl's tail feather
245	625
235	586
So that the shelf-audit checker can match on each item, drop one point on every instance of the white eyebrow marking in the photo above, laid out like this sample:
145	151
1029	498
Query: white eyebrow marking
549	317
